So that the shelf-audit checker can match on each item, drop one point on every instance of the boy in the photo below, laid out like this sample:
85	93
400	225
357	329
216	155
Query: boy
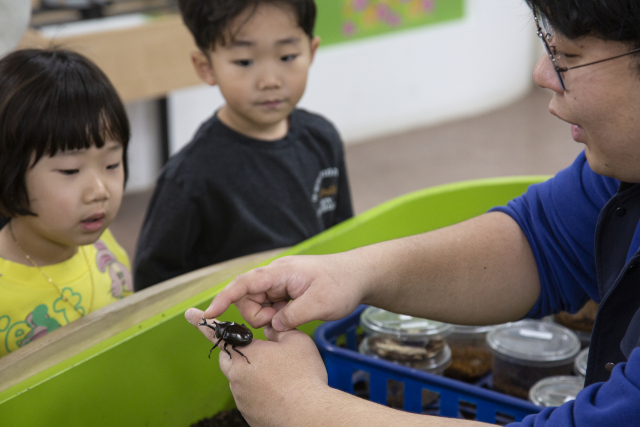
259	174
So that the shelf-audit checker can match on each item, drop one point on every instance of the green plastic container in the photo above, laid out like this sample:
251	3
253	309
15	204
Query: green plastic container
156	373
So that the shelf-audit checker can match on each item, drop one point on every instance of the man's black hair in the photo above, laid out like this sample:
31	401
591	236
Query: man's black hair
209	20
51	99
615	20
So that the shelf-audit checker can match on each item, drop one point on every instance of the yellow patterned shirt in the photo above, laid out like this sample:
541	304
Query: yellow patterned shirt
30	306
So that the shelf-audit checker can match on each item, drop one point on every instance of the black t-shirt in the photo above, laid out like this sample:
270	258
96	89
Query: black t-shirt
226	195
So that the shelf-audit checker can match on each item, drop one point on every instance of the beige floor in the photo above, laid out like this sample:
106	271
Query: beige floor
521	139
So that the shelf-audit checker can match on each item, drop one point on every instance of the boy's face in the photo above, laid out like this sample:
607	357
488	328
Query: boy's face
75	194
261	70
601	102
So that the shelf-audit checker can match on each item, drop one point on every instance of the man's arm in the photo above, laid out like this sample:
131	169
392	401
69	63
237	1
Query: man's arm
481	271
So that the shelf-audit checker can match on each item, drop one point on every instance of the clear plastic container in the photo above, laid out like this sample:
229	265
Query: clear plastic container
554	391
470	354
580	364
406	340
410	341
528	351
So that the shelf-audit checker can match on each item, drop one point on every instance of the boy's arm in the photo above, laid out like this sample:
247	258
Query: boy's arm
168	236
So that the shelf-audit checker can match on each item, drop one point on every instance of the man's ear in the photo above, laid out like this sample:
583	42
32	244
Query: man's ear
203	67
315	42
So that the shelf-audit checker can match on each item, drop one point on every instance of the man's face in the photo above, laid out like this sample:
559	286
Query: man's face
601	102
262	70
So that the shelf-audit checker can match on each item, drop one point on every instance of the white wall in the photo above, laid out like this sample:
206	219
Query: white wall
413	78
143	153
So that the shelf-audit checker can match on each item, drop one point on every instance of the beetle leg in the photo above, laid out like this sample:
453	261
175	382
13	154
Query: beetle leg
238	351
209	325
204	323
214	347
225	349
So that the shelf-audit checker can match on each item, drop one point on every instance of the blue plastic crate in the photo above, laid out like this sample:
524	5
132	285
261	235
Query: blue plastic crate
456	398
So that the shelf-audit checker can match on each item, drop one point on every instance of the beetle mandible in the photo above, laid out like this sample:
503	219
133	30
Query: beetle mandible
232	334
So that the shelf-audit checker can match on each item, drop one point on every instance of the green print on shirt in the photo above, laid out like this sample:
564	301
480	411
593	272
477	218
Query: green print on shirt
21	333
72	303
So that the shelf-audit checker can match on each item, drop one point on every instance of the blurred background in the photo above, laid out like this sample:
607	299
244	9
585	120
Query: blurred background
424	92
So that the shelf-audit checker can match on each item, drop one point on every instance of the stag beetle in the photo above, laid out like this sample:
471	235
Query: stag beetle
231	333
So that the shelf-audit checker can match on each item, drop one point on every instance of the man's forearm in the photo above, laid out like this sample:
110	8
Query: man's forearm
481	271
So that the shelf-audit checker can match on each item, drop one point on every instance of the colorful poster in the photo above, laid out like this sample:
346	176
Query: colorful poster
345	20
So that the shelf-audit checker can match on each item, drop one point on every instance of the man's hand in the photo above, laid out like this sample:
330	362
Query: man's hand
286	374
292	291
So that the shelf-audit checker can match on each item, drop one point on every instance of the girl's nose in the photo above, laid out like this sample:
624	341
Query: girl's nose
96	190
545	76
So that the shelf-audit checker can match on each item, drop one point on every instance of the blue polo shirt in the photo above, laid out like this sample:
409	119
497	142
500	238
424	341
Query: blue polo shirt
559	219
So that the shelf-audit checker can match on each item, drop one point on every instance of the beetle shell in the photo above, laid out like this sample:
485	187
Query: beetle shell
234	334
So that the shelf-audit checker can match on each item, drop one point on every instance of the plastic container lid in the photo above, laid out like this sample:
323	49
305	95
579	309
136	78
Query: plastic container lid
376	321
464	329
534	343
584	337
580	365
554	391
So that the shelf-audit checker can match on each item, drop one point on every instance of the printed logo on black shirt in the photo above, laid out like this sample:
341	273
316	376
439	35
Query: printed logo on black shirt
325	191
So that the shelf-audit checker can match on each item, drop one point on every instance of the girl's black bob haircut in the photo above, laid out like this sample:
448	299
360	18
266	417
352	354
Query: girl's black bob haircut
52	99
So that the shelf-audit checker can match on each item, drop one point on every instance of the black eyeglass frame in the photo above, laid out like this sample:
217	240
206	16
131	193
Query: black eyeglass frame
554	62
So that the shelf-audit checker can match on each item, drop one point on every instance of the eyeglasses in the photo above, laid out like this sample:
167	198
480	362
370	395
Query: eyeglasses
546	33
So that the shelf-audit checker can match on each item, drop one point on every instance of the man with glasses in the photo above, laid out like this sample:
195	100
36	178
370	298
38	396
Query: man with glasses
573	238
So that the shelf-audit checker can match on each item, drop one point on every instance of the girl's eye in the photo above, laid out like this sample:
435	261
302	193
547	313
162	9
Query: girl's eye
288	58
113	166
69	171
243	62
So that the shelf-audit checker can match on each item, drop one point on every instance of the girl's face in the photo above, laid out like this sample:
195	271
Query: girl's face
75	194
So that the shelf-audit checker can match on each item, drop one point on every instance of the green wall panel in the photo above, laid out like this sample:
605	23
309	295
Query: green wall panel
345	20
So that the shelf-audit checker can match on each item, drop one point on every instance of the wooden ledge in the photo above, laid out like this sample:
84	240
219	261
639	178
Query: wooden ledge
71	339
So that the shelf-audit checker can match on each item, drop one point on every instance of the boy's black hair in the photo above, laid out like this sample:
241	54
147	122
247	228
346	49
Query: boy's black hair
208	20
51	99
615	20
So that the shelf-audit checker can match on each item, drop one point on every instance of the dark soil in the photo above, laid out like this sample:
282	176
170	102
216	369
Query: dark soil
413	354
516	380
582	320
232	418
468	363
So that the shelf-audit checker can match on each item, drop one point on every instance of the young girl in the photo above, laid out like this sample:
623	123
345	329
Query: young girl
63	144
